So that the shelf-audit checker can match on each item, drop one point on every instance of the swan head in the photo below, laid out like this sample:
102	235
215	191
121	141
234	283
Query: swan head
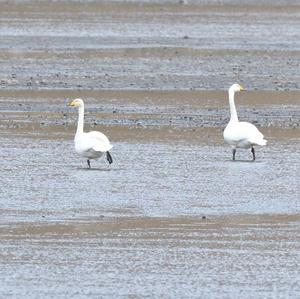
76	103
236	87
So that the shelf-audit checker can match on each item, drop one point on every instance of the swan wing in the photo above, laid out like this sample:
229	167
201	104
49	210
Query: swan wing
92	141
249	130
253	134
100	142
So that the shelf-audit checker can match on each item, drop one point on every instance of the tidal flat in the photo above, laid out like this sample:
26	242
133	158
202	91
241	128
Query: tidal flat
173	216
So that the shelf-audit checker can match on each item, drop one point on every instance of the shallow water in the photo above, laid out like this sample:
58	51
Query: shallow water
182	257
146	179
164	220
173	216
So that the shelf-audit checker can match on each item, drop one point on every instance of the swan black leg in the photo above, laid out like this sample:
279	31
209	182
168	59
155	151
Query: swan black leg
109	158
253	153
89	163
233	154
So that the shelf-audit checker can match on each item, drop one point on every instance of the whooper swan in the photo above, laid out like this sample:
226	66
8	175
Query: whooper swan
91	145
241	134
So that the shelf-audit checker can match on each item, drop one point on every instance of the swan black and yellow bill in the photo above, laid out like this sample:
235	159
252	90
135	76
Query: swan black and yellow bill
71	103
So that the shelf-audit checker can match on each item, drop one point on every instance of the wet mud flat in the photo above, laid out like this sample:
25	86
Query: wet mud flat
149	45
182	257
139	115
207	227
173	216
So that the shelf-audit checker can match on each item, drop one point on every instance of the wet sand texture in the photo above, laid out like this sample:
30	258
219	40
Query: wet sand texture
173	216
162	45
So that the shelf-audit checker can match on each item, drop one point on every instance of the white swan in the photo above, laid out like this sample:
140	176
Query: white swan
241	134
91	145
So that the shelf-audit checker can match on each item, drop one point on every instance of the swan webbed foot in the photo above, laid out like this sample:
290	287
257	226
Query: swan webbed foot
89	163
233	154
253	153
109	158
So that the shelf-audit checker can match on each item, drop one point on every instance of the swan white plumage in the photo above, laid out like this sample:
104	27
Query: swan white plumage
241	134
91	145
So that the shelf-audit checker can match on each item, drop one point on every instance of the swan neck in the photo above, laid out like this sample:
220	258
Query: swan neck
233	113
80	120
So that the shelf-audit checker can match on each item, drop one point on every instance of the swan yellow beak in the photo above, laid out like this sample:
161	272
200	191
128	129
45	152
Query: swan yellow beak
71	103
242	88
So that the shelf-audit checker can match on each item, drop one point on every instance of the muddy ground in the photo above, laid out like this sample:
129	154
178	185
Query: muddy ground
173	216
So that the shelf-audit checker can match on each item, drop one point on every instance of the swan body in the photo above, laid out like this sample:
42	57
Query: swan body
241	134
91	145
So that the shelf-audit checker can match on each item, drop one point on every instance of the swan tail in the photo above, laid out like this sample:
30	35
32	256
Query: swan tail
261	142
102	148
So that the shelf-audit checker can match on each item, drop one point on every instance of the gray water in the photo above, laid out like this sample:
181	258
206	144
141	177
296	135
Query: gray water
146	179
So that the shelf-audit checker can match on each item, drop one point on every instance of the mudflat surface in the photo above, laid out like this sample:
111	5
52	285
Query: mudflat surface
150	44
173	216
